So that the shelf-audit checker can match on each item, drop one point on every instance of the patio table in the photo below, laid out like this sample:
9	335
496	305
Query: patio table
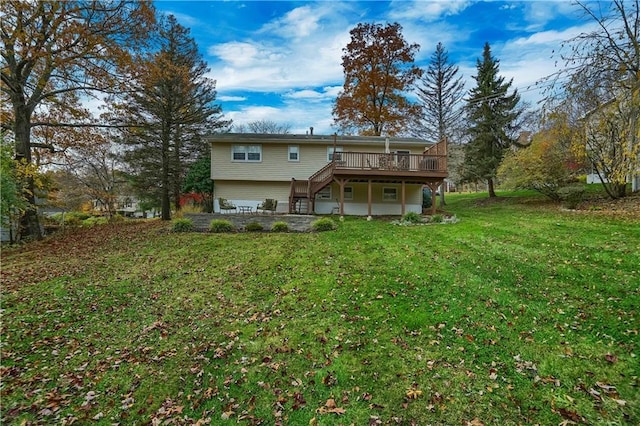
245	209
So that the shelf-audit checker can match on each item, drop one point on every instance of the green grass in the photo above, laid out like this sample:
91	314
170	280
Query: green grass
520	313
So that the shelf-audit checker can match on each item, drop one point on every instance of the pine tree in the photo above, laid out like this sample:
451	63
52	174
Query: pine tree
492	115
172	107
440	91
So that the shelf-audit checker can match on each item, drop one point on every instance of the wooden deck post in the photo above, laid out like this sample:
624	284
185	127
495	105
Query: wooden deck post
369	198
403	198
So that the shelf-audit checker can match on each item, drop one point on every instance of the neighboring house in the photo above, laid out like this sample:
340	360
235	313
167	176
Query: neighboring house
124	205
350	175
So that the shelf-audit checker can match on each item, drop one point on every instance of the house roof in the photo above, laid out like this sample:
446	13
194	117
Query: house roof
266	138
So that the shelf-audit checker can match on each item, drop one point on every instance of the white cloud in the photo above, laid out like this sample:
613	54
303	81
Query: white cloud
426	10
539	13
328	93
287	56
300	22
300	119
232	98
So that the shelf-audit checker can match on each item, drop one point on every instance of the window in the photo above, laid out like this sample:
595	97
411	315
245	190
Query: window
324	194
331	153
246	153
348	192
294	153
389	194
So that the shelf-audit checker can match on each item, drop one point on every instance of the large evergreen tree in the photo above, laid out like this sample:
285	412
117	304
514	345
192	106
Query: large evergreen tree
441	91
492	115
170	111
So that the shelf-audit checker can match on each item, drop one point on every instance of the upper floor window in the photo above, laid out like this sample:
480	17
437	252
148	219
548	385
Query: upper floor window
334	152
294	153
246	153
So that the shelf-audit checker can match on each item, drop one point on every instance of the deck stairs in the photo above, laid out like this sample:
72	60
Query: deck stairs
303	192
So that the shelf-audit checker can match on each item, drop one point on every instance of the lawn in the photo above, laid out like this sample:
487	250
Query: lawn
520	313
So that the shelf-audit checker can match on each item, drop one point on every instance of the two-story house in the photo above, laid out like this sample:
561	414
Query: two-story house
322	174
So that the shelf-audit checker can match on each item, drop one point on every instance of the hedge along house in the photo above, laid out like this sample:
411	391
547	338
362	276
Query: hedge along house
323	174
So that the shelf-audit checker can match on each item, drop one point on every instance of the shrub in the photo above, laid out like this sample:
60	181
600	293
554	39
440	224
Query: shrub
254	227
324	224
437	218
221	225
571	196
182	225
280	227
95	220
412	217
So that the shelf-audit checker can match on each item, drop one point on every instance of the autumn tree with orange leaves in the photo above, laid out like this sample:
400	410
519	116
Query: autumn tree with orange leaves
379	69
54	53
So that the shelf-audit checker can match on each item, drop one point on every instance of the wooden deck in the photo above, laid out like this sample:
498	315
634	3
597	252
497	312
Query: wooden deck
428	168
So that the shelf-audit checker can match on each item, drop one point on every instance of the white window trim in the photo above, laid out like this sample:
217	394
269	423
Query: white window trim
349	195
297	151
319	194
246	152
330	151
389	200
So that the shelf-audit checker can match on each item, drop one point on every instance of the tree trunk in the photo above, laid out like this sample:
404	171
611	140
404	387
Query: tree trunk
177	168
165	202
492	192
29	223
442	203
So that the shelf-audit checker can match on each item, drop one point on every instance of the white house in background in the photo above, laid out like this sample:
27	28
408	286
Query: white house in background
124	205
323	174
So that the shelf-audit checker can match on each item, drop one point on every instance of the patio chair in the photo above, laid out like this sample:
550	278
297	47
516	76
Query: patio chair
226	205
268	205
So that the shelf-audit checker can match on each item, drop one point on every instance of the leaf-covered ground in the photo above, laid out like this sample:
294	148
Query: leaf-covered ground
521	313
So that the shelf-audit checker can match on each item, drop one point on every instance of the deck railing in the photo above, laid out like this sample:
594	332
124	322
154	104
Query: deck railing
321	178
391	161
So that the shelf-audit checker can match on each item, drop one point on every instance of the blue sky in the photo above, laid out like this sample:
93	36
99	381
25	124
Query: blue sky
281	60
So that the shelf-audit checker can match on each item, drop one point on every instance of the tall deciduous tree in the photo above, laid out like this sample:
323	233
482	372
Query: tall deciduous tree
547	164
602	77
492	114
171	109
97	172
379	70
263	126
53	50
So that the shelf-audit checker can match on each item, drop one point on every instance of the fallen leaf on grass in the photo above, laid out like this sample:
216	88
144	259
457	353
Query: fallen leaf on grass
571	415
330	407
413	393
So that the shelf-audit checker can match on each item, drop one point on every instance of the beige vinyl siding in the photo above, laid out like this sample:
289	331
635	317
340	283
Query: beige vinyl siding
275	165
413	193
242	193
359	205
258	191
